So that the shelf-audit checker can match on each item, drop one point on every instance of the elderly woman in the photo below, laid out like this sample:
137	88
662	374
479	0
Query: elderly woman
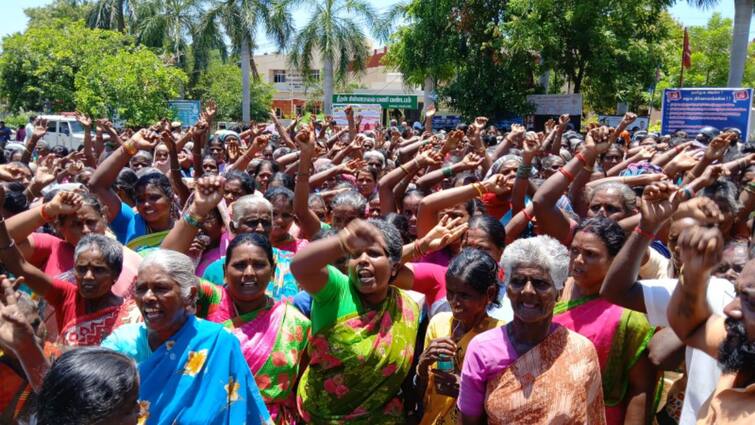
282	200
363	329
191	371
531	370
87	312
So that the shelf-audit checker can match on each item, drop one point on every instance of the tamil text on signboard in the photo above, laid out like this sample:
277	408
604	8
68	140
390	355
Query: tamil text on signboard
370	114
692	109
187	111
398	101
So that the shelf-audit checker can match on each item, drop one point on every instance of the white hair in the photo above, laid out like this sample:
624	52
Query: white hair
375	154
177	265
245	203
543	252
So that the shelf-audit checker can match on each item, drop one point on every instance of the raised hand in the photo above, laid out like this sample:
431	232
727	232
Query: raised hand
429	157
646	153
63	203
452	141
628	118
701	208
45	173
700	249
353	166
550	125
659	200
349	111
598	140
712	173
532	145
260	142
517	133
83	119
499	184
444	233
471	161
718	146
15	329
145	140
208	192
210	109
40	128
480	122
563	120
430	112
13	172
360	235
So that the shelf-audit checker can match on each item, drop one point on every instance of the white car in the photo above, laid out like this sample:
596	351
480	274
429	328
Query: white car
63	130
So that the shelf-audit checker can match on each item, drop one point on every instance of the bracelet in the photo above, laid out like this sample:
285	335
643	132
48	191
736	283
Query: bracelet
448	172
581	158
647	235
192	220
130	147
524	171
589	169
526	215
569	176
44	215
689	193
479	188
11	245
403	168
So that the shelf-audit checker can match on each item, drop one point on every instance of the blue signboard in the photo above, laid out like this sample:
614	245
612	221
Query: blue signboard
187	111
692	109
446	122
505	124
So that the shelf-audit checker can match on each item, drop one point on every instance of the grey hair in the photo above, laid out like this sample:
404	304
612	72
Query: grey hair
247	202
147	170
375	154
145	154
110	249
498	164
723	190
392	238
351	198
543	252
628	197
177	265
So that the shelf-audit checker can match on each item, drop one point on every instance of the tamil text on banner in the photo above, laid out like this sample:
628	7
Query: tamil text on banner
371	115
692	109
187	111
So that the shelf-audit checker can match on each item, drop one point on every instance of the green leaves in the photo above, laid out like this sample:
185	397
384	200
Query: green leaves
132	85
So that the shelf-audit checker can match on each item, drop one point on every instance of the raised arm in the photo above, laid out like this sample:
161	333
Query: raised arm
433	204
309	265
23	224
208	192
103	177
40	129
532	148
257	145
17	334
620	285
550	219
89	153
688	311
714	152
15	262
308	221
469	163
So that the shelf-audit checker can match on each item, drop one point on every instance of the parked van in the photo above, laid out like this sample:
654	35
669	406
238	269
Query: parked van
63	130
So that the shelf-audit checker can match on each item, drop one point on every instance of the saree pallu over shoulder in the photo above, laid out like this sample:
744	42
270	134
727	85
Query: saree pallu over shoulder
620	337
358	364
199	377
92	329
145	244
556	382
273	340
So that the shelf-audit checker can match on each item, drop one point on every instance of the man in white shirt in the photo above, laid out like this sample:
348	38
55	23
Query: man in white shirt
620	286
29	128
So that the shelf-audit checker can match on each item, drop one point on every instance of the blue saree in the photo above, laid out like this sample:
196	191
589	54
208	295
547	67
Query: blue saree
199	377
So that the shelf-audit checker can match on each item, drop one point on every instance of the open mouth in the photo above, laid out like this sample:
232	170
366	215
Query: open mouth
152	314
366	277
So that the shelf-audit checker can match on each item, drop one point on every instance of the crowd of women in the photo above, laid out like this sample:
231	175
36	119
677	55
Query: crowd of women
311	273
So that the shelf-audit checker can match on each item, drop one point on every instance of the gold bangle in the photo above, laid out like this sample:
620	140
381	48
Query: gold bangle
479	188
130	147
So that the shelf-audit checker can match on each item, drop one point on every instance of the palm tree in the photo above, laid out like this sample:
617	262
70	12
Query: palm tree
168	24
336	32
111	14
743	11
240	20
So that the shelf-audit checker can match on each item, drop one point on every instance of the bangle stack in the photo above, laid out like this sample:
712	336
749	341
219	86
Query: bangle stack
44	215
688	193
448	172
479	188
524	171
192	220
581	158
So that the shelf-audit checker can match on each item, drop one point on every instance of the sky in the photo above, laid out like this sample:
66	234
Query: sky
12	18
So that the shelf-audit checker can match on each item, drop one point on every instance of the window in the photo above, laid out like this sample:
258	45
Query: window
279	76
52	126
64	128
314	75
278	112
315	109
299	110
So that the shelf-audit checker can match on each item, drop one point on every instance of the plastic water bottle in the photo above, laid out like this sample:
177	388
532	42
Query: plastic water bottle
445	364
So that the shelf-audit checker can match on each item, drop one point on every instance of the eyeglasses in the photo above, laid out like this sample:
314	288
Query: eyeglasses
521	282
253	224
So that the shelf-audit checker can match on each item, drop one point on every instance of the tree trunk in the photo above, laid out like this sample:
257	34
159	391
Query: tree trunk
429	89
327	85
245	95
740	39
255	73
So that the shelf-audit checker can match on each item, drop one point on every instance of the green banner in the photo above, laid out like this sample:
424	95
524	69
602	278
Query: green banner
399	101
